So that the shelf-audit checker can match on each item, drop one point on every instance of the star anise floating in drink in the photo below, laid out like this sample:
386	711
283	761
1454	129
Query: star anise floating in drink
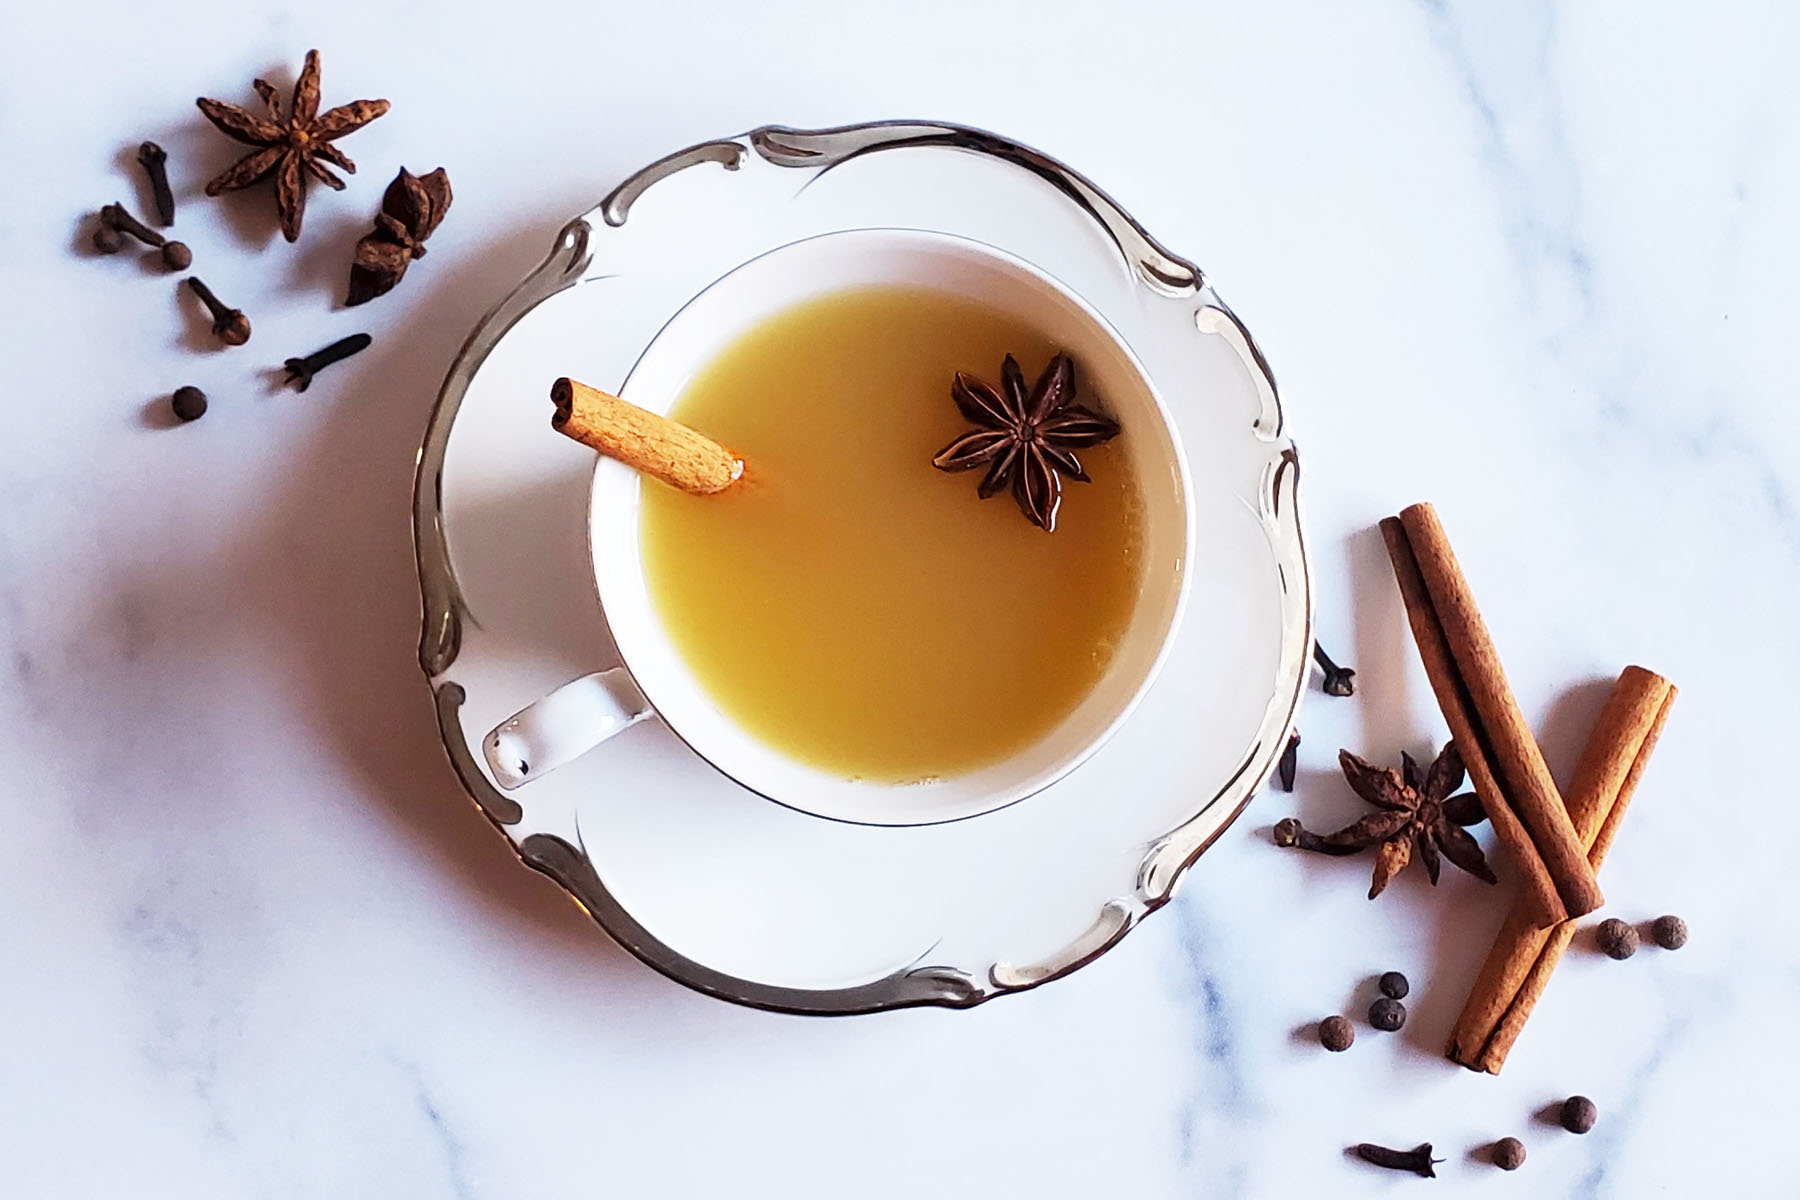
1412	819
291	147
1026	437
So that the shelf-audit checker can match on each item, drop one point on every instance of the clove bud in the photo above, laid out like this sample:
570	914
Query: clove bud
1290	762
1417	1160
1337	679
175	255
154	159
1289	832
300	371
230	325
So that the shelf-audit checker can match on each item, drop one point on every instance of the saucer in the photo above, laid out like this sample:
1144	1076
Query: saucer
708	883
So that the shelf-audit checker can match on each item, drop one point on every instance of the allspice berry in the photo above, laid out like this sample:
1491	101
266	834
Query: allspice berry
1669	932
1336	1033
1387	1014
189	403
1508	1154
1393	984
1616	939
1578	1114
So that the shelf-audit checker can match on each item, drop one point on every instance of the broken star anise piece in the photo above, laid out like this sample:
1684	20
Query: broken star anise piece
410	211
1411	823
291	147
1025	436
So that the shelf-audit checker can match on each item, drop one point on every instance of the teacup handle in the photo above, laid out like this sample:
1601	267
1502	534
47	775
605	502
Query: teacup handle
562	726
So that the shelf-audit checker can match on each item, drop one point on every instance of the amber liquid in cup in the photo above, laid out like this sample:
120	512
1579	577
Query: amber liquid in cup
848	603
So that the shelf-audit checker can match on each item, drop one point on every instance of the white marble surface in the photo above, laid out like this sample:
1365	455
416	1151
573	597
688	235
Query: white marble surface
1533	263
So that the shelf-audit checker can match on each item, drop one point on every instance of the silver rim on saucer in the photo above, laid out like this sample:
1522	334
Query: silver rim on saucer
1160	862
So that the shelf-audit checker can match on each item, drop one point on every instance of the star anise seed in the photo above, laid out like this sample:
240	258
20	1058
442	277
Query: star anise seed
1026	437
292	147
1412	821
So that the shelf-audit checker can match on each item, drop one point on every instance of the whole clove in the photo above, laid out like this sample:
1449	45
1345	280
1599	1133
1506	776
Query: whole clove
230	325
1337	680
1671	932
1508	1153
1417	1160
1289	832
1579	1114
1616	939
175	255
300	371
1336	1034
155	161
188	403
1290	762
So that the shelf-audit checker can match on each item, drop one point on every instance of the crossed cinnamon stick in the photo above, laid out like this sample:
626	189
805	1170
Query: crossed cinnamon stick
1556	847
1524	955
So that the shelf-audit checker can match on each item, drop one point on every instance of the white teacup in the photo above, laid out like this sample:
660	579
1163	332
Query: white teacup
655	679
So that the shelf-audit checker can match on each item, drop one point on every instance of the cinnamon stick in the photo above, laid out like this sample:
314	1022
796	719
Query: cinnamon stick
1514	751
1541	896
642	440
1524	957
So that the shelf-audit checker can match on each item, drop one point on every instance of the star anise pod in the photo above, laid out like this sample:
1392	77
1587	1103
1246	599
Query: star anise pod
1025	437
1411	819
291	147
410	211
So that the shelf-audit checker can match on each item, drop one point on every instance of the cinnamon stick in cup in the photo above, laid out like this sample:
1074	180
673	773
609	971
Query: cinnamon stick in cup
1519	967
665	449
1513	750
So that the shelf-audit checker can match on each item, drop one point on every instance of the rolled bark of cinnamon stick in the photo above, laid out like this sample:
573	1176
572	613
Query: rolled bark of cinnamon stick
668	450
1514	750
1524	957
1539	895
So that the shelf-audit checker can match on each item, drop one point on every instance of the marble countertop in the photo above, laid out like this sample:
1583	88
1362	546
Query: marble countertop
1533	265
